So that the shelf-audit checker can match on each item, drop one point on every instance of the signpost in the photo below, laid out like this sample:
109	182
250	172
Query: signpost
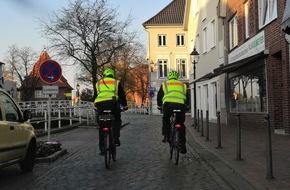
50	72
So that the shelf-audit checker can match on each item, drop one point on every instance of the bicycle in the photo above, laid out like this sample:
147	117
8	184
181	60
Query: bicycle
174	139
110	151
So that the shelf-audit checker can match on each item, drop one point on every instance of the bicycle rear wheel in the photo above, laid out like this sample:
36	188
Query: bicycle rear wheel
113	150
171	149
176	146
107	150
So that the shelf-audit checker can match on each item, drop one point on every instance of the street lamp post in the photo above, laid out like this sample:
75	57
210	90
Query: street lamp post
194	56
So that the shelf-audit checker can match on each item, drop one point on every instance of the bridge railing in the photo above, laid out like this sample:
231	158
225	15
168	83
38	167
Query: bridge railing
81	112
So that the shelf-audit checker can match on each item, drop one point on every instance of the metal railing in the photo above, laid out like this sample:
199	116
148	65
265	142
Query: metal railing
81	112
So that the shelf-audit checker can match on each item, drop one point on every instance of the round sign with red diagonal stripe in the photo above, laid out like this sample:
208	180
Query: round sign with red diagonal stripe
50	71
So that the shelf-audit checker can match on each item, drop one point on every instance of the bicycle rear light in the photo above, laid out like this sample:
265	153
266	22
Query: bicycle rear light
177	126
105	129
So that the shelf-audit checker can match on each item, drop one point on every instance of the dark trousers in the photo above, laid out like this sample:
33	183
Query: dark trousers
168	108
109	105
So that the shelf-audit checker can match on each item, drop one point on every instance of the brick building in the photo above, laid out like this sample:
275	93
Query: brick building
258	64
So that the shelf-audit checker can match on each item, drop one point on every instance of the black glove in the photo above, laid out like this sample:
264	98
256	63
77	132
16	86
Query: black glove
159	107
125	108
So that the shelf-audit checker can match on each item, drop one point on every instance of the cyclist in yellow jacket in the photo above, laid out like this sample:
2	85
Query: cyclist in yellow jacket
172	95
110	95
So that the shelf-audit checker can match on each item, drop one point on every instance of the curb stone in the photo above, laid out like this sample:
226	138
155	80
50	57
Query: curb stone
52	157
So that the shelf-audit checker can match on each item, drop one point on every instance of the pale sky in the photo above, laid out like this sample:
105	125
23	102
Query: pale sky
19	25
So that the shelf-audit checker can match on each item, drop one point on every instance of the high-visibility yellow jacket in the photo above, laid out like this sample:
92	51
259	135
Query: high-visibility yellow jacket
174	91
106	89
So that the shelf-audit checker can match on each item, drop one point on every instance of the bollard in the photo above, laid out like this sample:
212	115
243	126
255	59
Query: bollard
45	120
79	114
207	126
219	130
70	116
201	120
59	119
87	118
269	149
239	157
198	120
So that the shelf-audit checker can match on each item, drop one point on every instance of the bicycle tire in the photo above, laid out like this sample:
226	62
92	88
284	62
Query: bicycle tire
107	150
176	146
171	150
171	142
112	148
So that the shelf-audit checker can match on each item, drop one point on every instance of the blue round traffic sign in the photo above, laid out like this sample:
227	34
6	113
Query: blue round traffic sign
50	71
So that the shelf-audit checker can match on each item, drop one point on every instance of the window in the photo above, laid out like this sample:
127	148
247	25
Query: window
248	91
180	40
203	10
246	6
162	68
267	11
161	40
197	46
194	7
233	27
212	34
204	40
12	113
181	67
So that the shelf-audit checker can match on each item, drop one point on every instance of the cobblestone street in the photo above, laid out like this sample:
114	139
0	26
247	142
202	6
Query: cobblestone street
142	163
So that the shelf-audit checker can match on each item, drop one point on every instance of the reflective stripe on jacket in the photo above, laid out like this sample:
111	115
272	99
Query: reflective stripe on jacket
174	91
107	88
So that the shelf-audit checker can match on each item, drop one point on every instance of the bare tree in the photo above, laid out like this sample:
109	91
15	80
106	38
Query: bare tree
132	71
141	78
88	33
20	62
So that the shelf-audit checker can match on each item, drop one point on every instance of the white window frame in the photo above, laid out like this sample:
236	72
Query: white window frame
181	67
233	32
180	40
267	11
197	43
247	28
203	10
161	40
162	68
212	34
204	40
195	7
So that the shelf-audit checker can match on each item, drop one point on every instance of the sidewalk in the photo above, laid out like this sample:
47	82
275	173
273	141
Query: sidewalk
252	166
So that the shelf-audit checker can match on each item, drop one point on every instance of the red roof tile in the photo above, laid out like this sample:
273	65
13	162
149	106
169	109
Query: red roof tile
172	14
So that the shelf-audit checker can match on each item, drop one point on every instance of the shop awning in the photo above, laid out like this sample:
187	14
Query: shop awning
286	18
205	77
232	67
241	63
